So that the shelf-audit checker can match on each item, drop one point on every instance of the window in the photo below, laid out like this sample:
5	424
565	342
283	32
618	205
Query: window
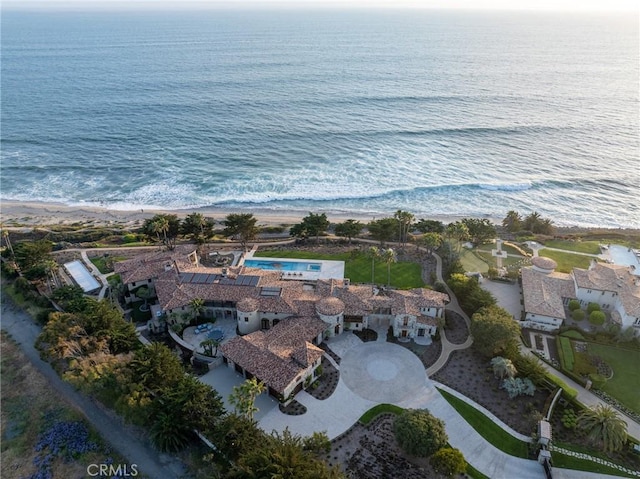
405	322
246	319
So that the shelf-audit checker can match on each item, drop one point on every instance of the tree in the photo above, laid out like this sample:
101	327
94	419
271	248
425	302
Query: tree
374	253
235	435
31	253
156	368
529	366
479	230
244	396
517	387
430	242
604	427
404	220
243	226
281	457
318	443
591	307
448	461
208	346
577	315
199	228
495	332
597	318
574	304
419	433
196	305
389	256
512	222
7	241
470	295
144	292
503	367
163	227
311	225
456	233
429	226
349	229
383	230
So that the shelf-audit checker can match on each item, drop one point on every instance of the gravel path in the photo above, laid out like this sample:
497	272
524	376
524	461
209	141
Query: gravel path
23	329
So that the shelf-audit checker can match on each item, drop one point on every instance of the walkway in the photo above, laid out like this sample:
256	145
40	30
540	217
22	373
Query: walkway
448	347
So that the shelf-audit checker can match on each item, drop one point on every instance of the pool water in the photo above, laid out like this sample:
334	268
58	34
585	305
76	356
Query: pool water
216	334
283	265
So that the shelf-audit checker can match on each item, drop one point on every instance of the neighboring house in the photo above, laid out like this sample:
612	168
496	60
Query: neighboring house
282	320
547	293
144	269
615	288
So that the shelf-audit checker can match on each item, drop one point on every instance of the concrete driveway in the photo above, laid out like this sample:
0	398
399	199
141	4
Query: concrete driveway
507	294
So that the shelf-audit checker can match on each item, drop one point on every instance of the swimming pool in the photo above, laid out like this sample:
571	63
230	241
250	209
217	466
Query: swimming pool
283	265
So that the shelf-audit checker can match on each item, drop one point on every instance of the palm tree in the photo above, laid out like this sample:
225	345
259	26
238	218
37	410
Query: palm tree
197	308
404	219
604	426
244	396
7	241
503	367
513	221
144	293
208	345
431	242
389	256
161	225
374	253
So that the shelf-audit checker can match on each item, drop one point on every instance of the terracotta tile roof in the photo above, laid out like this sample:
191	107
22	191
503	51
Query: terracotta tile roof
613	278
330	306
152	265
543	293
277	356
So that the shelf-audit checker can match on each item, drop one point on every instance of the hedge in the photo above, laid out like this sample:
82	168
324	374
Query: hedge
566	353
569	392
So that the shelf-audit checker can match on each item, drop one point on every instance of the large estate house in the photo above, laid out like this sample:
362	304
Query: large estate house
547	293
281	320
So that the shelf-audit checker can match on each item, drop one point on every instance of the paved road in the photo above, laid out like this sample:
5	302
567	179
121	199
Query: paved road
24	331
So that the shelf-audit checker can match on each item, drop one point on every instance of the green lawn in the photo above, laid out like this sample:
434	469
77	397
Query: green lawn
567	261
506	262
472	262
357	267
375	411
489	246
491	432
591	247
105	265
626	374
570	462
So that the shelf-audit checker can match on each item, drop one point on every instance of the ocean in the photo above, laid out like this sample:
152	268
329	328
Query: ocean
433	112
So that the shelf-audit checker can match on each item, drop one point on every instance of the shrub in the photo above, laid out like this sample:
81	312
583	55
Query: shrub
597	318
419	433
591	307
569	419
574	304
578	315
518	386
130	238
440	286
448	461
597	380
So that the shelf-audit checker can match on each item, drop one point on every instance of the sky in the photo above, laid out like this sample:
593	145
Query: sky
538	5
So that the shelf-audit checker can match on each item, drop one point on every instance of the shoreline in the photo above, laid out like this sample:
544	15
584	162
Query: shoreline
30	214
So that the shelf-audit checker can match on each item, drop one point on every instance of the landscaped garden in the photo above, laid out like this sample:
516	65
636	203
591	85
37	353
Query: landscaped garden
567	261
357	268
589	247
612	369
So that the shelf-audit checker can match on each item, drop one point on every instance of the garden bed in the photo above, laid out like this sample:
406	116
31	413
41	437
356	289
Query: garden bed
327	383
371	452
471	374
456	328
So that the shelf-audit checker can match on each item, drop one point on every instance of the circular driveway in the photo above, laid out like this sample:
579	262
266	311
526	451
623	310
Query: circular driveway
383	372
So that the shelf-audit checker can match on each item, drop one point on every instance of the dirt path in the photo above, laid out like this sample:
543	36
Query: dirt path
23	329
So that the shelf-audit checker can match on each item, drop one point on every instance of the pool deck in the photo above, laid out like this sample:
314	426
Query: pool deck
329	269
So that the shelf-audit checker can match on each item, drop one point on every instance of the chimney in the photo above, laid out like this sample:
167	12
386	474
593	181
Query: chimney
345	283
224	272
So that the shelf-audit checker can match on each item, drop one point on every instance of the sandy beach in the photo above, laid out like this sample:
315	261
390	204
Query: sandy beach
29	214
